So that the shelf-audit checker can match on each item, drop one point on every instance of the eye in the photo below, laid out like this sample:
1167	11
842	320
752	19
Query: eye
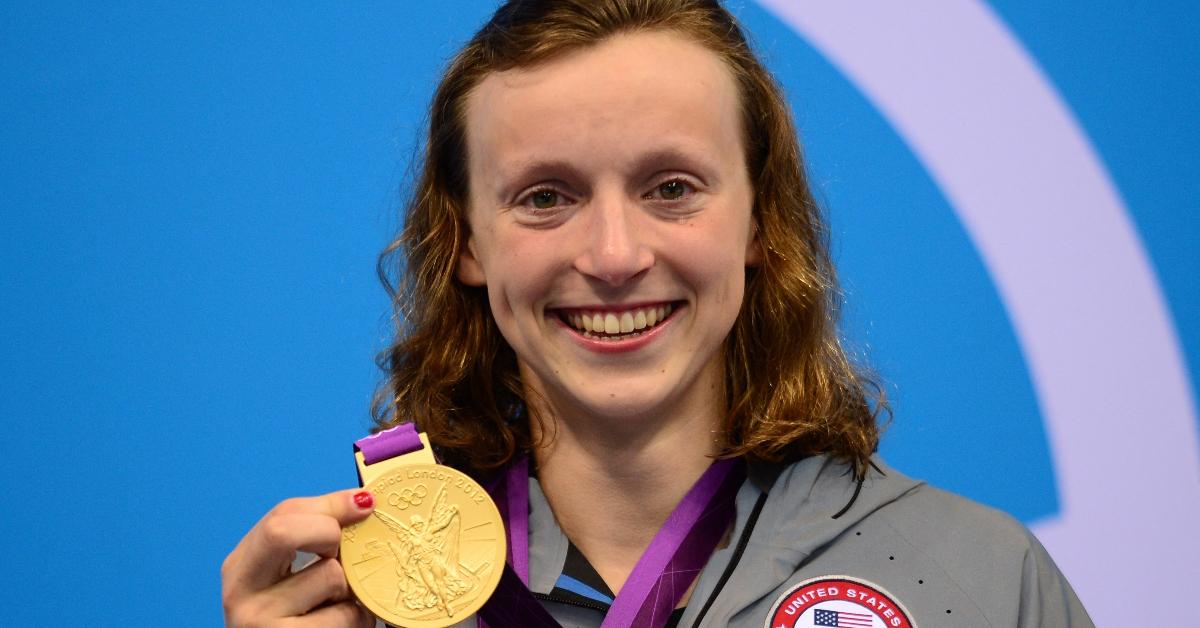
544	199
671	190
543	205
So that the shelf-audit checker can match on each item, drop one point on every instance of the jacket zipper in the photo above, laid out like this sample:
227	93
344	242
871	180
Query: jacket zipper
595	606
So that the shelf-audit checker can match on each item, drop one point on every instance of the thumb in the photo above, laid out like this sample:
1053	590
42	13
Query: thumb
349	506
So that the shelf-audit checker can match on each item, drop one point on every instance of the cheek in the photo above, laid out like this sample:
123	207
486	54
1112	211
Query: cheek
714	262
520	276
729	291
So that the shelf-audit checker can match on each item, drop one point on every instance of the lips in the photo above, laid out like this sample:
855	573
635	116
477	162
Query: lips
616	324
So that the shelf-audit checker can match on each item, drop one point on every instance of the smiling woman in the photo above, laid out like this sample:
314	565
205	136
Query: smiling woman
563	119
609	243
618	312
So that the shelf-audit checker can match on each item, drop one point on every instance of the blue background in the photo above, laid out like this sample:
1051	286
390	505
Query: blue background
192	199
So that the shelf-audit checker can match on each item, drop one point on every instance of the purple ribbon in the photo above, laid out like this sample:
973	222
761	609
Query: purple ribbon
517	487
389	443
661	576
679	551
658	581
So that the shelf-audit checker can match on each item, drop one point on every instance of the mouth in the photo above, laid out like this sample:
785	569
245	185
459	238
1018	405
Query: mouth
614	325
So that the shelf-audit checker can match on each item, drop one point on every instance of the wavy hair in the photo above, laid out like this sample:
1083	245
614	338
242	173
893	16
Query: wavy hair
791	389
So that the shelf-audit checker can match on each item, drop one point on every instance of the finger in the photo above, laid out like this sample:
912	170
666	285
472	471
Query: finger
347	614
341	505
273	544
311	524
321	583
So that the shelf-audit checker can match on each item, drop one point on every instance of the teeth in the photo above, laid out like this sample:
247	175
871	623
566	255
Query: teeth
614	323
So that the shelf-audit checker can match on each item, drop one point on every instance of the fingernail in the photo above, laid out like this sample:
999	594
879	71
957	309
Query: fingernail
363	500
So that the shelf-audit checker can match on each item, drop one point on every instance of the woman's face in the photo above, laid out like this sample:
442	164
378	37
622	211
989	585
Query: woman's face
610	213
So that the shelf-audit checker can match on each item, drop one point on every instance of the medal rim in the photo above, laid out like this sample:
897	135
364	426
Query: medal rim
488	586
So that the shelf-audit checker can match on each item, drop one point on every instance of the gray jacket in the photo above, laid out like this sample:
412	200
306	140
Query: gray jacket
906	549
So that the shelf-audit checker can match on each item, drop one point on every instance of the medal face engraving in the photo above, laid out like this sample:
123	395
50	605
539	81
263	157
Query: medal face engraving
431	553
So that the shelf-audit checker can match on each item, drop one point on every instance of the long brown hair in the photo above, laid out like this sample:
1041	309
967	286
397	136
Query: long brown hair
791	389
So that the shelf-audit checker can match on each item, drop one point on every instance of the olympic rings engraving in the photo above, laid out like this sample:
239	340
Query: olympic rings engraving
408	497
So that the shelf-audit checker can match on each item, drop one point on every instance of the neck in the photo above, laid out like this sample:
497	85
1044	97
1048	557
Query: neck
611	489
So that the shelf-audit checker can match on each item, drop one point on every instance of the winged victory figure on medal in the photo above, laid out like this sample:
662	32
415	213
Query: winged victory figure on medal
426	553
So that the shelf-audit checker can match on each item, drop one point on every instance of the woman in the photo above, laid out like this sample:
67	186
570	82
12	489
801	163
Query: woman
613	266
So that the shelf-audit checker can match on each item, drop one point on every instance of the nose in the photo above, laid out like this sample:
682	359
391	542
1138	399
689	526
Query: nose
615	249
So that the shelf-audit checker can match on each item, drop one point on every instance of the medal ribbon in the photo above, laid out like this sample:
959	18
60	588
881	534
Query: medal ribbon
662	575
389	443
658	581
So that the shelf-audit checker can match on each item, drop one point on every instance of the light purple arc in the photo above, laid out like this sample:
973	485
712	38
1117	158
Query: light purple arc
1049	224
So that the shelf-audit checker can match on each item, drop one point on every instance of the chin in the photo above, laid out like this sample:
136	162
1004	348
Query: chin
623	403
639	396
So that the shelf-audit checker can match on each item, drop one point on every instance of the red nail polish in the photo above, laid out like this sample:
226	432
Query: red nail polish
363	500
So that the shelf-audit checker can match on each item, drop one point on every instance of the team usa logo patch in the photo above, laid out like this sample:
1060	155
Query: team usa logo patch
838	601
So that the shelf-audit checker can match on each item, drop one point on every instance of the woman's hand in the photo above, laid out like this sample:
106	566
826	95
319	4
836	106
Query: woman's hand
258	587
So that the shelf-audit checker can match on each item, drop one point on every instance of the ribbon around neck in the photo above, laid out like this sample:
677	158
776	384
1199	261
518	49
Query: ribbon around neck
661	576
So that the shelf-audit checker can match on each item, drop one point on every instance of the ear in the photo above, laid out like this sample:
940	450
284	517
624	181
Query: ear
469	270
754	251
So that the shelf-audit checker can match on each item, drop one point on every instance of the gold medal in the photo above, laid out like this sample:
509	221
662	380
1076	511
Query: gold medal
432	552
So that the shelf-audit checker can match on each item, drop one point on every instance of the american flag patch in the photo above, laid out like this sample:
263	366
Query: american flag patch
837	602
841	619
